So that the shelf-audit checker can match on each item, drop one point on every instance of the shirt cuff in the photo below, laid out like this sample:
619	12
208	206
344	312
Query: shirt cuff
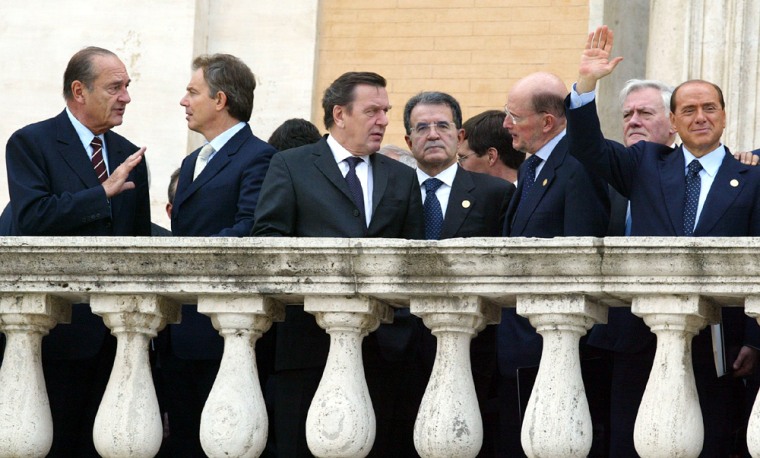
579	100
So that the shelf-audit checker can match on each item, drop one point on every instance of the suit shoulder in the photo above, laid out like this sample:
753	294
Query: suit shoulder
490	181
37	128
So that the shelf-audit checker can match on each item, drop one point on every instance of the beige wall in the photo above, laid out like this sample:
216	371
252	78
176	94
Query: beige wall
473	49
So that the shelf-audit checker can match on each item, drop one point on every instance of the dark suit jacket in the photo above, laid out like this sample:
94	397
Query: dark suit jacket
486	200
221	201
54	191
566	200
651	176
305	195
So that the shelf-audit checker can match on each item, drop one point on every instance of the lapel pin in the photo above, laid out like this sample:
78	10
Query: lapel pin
734	183
465	204
546	180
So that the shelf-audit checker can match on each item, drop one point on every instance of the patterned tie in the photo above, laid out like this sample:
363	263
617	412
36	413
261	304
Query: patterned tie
202	160
693	186
432	210
530	175
354	185
97	159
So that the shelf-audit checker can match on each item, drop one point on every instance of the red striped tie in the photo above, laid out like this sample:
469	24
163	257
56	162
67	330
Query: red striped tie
97	159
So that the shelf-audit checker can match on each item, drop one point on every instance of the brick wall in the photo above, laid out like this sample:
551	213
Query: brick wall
473	49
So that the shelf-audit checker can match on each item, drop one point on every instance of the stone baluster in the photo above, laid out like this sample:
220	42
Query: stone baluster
557	419
128	422
341	421
669	422
752	308
449	422
26	425
234	419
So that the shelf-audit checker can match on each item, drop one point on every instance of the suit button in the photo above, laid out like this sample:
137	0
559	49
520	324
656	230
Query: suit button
356	212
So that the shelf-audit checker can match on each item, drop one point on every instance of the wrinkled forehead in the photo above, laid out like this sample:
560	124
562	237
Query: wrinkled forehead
647	97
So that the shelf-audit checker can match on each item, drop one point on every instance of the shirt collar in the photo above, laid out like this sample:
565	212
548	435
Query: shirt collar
447	176
710	162
339	152
545	151
85	135
220	140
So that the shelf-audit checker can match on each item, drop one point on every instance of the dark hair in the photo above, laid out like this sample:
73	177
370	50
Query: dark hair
172	191
81	68
226	73
293	133
717	89
549	102
432	98
486	130
341	92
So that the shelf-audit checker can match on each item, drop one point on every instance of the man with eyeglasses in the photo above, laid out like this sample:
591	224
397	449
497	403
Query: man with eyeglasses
487	147
457	203
555	197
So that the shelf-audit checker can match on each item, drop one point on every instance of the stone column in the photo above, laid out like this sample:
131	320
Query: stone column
234	419
449	422
752	308
341	421
669	422
557	420
128	423
26	426
714	40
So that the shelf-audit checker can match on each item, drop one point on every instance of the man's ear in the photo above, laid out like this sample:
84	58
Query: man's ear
339	112
77	91
220	101
493	156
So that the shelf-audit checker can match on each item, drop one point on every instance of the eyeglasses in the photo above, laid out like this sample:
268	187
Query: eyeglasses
517	119
463	157
441	127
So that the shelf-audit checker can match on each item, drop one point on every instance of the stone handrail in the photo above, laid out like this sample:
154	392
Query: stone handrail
457	286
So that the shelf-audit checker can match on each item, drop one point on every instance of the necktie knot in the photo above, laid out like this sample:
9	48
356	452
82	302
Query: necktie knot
695	167
353	161
202	160
533	162
96	143
432	185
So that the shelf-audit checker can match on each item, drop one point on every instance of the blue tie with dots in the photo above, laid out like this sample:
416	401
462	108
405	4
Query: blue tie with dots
355	186
693	186
530	174
432	210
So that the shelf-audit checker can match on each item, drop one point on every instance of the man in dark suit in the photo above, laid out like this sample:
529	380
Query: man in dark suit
71	175
555	197
654	177
306	193
217	192
463	204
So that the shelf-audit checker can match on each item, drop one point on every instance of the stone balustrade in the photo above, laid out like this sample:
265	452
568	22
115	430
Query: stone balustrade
563	286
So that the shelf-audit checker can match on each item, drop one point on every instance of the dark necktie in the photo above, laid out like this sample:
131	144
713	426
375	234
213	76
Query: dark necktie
530	175
355	186
432	210
693	186
97	159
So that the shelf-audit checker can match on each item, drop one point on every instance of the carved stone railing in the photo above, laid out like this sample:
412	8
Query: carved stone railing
457	286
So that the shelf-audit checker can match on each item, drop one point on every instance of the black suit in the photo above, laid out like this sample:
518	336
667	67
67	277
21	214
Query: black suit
54	191
220	201
652	177
566	200
305	195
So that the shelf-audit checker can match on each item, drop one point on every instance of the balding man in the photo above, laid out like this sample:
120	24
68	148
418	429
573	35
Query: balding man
555	197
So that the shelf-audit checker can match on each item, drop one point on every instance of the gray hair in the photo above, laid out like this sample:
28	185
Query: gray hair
634	85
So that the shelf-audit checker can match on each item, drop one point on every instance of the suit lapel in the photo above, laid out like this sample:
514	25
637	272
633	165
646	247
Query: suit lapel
220	160
379	179
543	182
73	153
673	187
727	185
325	163
456	210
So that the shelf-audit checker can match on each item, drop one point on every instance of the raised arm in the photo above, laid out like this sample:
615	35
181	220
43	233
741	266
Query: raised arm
595	59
